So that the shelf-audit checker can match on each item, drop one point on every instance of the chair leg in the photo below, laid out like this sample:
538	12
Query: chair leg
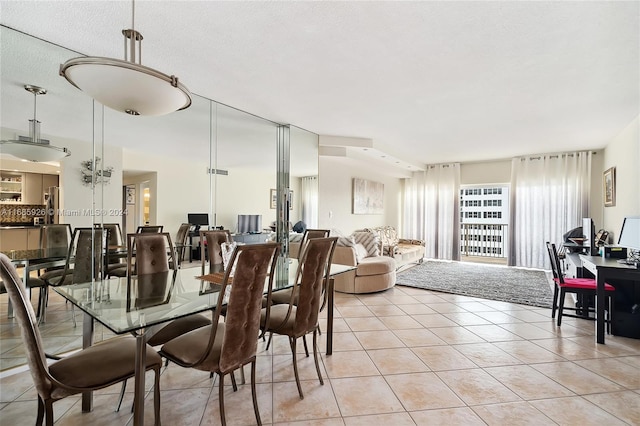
292	341
304	342
40	412
223	419
124	387
254	394
561	306
555	300
315	356
269	341
156	397
48	412
73	316
233	381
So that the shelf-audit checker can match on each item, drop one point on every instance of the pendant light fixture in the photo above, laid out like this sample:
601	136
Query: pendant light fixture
126	85
33	148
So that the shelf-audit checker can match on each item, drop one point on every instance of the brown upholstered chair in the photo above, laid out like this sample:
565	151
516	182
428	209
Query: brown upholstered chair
114	240
300	316
181	241
224	347
84	261
154	229
54	236
96	367
213	240
284	296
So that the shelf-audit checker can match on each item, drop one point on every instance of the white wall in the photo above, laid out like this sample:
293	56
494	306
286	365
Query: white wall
335	188
623	153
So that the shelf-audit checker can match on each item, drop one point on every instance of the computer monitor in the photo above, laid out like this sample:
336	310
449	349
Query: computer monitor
249	223
589	232
630	233
198	219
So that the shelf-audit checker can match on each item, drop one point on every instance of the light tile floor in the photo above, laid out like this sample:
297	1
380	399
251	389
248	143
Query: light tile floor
403	357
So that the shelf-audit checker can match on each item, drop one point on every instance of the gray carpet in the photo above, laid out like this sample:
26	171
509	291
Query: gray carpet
523	286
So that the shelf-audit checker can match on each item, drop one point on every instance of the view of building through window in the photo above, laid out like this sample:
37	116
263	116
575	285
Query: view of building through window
484	220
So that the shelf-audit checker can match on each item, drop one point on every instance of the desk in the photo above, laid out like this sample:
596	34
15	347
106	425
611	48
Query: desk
606	269
109	302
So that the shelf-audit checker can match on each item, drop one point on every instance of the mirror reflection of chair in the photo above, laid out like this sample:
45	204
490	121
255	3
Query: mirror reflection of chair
181	241
96	367
224	347
115	243
211	244
54	236
149	229
300	316
581	287
154	254
84	261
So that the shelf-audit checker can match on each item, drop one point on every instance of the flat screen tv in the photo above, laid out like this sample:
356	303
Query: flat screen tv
198	219
249	223
630	233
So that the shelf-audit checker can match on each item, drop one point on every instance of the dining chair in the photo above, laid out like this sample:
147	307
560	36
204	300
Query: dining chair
299	317
181	241
54	236
211	243
225	346
154	254
149	228
581	287
93	368
114	242
84	261
284	296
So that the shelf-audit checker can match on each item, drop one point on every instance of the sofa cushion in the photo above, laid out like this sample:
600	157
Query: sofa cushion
376	265
361	252
369	240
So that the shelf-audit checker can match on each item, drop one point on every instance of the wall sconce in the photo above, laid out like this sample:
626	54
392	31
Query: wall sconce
99	175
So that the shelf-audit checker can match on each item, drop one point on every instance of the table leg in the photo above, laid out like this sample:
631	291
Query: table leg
330	317
600	307
87	340
138	396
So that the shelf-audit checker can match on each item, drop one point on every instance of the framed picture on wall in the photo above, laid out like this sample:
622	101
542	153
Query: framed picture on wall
368	197
131	195
609	181
273	196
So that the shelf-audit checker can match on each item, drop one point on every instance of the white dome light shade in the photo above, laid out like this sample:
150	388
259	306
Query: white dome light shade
31	151
126	86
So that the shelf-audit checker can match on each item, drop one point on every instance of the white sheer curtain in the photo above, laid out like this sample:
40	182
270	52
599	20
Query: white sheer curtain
309	189
549	196
431	210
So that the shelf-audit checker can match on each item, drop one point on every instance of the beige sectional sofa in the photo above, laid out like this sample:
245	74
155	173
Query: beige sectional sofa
404	251
373	273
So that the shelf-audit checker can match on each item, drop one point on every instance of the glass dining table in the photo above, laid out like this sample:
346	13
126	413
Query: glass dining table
139	305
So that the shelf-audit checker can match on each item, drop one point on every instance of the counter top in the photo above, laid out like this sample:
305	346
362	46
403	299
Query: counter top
18	226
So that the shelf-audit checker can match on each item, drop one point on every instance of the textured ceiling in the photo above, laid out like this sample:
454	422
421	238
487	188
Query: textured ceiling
427	82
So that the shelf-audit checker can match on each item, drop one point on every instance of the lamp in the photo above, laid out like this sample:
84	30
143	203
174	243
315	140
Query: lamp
126	85
33	148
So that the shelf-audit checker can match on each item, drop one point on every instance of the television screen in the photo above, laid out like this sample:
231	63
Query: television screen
630	233
249	223
198	219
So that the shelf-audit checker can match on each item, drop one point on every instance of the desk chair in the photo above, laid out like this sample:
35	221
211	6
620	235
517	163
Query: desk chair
579	286
96	367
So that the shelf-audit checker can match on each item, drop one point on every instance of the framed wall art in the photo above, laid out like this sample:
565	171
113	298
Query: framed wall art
609	182
368	197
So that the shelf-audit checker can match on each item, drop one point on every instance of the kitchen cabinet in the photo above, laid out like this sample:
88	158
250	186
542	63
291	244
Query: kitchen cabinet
10	187
19	238
32	189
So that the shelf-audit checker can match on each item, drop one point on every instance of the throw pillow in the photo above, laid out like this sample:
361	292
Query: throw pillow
342	240
361	252
369	240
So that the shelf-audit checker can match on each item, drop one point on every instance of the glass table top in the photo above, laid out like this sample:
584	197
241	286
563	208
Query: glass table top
152	299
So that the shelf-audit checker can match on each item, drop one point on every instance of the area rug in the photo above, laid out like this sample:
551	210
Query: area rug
508	284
